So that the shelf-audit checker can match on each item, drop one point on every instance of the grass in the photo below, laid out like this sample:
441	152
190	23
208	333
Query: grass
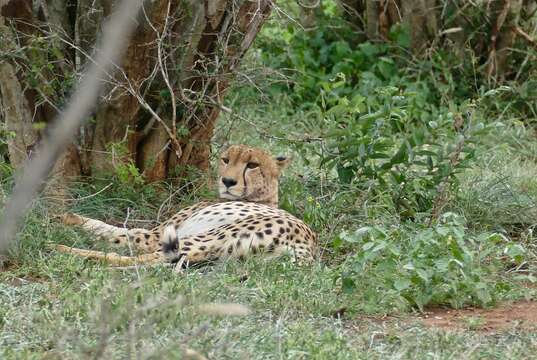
59	306
378	271
67	307
360	301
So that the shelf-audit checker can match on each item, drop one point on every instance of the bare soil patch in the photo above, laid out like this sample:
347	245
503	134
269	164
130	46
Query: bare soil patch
520	314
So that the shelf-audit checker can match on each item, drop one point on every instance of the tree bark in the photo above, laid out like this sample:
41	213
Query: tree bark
15	111
372	11
20	134
505	15
422	19
308	13
193	47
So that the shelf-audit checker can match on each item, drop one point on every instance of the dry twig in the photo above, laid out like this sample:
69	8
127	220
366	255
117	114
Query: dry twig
62	132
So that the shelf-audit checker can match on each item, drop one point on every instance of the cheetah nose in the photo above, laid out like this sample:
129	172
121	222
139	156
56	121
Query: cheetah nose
229	182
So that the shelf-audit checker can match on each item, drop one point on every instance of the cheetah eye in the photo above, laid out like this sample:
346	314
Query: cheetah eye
225	160
252	165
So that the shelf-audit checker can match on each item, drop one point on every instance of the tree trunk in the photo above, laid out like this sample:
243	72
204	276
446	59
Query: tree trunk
182	57
374	17
372	13
308	13
505	15
421	17
488	29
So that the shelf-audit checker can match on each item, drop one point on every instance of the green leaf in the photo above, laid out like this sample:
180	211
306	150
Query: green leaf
401	284
423	275
369	49
345	174
401	155
515	252
386	68
401	35
379	247
348	285
362	232
358	102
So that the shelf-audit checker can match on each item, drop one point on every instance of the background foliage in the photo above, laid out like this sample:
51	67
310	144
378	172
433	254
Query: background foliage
404	155
417	169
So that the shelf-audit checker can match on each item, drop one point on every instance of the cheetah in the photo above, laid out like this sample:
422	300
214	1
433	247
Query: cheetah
245	221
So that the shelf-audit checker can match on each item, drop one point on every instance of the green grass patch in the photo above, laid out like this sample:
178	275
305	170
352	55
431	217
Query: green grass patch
420	179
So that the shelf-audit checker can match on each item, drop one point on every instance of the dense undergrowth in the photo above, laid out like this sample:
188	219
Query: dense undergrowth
419	173
419	176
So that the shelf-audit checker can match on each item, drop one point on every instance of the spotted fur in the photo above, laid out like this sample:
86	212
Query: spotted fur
247	221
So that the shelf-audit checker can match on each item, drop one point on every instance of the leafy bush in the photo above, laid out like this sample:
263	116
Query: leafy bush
313	60
450	72
390	124
392	140
421	266
391	144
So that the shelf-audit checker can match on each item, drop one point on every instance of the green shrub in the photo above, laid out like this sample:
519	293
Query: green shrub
395	142
420	266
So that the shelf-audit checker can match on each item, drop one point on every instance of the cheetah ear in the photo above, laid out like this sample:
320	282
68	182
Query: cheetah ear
282	162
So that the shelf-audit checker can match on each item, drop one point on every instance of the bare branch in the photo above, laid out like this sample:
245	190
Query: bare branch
115	33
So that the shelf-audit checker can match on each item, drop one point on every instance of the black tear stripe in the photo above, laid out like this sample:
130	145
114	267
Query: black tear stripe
244	175
244	180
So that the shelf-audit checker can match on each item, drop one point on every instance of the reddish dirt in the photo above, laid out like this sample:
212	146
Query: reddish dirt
520	315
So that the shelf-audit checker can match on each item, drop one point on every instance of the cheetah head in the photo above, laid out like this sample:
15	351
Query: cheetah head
250	174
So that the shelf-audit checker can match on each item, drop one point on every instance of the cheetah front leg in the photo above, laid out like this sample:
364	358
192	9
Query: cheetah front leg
147	240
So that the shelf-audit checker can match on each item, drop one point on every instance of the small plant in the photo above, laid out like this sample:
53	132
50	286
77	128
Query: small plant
420	266
392	143
474	322
124	168
4	136
129	173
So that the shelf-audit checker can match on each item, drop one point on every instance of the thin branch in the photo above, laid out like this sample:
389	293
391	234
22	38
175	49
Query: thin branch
115	35
92	195
526	36
172	133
